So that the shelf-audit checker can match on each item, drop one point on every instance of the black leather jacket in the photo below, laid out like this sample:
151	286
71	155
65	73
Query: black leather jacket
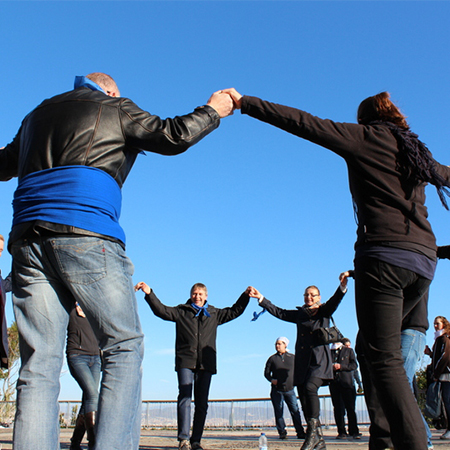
85	127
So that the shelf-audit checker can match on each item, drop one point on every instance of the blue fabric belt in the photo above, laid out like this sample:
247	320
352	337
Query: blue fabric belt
78	196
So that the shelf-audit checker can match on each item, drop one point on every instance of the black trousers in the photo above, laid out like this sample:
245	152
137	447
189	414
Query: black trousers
309	397
385	294
344	399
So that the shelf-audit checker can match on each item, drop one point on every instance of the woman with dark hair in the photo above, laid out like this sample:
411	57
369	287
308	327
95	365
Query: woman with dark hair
313	362
440	363
388	168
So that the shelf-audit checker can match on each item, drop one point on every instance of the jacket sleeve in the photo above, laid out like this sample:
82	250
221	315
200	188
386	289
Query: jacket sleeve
160	310
328	308
224	315
7	283
288	315
9	160
442	365
268	370
169	136
339	137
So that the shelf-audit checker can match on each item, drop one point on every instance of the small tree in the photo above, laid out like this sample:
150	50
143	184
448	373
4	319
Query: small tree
9	376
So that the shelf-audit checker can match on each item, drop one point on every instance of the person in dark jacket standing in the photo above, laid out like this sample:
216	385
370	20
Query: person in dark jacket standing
279	371
85	365
195	353
313	362
395	259
440	363
342	389
5	286
72	155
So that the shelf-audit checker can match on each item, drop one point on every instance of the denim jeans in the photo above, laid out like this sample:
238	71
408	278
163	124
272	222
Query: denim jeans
49	275
413	345
201	381
290	398
86	371
384	295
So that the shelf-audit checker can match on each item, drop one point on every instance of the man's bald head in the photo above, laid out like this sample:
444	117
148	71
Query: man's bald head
106	82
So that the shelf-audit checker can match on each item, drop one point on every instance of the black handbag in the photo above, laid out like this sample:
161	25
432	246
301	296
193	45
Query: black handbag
327	335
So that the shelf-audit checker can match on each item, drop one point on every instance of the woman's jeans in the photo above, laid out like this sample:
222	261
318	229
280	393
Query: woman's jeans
49	275
290	398
199	380
86	371
384	295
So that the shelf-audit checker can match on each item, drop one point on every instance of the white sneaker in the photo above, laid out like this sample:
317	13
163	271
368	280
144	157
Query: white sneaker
446	435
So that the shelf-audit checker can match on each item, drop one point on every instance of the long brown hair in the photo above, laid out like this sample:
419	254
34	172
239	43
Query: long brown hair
381	107
445	322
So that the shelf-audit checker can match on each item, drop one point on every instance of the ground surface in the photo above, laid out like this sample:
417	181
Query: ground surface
229	440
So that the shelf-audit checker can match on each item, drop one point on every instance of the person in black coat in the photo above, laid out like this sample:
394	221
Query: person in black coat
342	389
195	352
313	362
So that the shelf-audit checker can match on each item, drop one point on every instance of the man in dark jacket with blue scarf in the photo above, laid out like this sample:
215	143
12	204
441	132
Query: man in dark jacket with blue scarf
72	155
195	352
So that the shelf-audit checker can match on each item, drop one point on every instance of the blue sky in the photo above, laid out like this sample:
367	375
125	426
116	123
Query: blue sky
250	204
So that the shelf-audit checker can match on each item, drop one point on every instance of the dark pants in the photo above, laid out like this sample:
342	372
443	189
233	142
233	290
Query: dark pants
201	381
385	294
290	398
344	399
309	397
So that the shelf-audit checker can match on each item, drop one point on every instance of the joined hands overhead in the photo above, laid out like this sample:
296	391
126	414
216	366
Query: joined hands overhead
225	101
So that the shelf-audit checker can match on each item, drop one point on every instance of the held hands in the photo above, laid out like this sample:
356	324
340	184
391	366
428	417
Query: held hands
343	278
253	292
143	287
225	101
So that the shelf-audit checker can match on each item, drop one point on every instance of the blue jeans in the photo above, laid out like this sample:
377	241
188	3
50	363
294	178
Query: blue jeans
413	345
86	371
49	275
290	398
201	381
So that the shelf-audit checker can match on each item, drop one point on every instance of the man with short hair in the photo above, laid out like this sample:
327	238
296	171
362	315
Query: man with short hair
5	286
279	371
195	353
72	155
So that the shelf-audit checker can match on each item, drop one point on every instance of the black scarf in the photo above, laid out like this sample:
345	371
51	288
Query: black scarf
415	160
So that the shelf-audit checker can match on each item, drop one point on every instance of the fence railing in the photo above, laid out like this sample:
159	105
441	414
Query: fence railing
231	413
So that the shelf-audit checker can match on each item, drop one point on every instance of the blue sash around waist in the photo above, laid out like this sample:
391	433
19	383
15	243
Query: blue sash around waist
78	196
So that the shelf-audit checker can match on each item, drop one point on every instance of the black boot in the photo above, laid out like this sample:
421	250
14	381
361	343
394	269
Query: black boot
78	433
314	437
90	425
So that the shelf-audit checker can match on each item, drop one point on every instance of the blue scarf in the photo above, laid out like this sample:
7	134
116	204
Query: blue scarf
81	81
199	309
78	196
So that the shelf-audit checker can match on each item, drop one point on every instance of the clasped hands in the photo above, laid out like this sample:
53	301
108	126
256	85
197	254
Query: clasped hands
225	101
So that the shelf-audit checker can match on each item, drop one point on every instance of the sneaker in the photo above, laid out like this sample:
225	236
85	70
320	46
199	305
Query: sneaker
283	436
184	444
196	446
341	436
357	436
446	435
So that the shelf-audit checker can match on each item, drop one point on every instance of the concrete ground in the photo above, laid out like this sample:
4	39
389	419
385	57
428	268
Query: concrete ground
229	440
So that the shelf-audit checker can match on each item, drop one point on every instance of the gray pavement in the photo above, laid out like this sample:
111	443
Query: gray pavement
229	440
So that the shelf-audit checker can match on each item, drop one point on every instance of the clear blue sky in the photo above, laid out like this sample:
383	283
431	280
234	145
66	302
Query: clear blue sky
250	204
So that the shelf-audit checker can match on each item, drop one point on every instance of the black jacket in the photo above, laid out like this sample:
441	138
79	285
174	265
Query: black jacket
311	360
195	342
281	368
89	128
387	210
346	358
